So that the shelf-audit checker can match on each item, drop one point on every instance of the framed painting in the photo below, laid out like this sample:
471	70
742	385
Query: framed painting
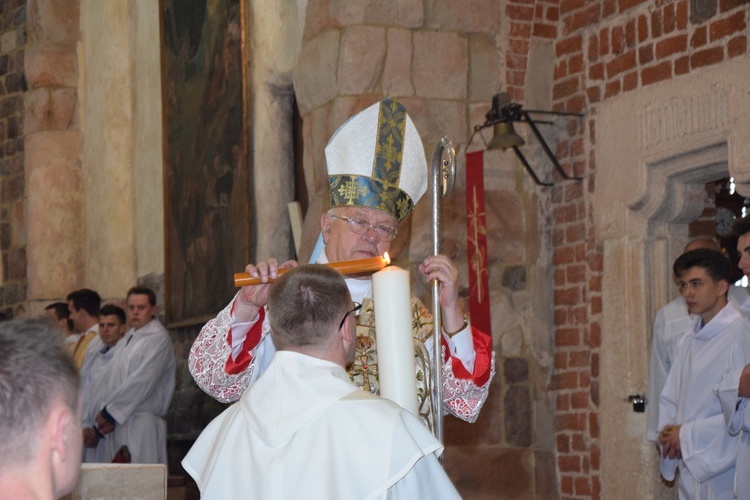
207	173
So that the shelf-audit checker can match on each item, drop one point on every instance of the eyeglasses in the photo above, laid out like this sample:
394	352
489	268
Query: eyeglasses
354	310
359	226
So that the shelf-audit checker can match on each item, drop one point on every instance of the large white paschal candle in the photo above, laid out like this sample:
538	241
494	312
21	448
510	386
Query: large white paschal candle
393	336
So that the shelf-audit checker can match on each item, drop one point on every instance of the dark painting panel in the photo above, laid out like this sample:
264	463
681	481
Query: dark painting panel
206	166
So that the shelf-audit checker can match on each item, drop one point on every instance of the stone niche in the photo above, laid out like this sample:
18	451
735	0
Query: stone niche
663	144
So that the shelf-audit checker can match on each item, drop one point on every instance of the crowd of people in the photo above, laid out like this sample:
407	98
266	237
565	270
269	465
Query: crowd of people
127	370
700	374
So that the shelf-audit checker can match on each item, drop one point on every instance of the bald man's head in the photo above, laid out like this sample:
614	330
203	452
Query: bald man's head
706	242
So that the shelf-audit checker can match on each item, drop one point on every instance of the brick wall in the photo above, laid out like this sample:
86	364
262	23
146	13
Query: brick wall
603	49
12	86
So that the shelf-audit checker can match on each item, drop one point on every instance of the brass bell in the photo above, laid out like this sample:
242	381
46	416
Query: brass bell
504	136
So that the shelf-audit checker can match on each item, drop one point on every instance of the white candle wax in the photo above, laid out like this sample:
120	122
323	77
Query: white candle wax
393	337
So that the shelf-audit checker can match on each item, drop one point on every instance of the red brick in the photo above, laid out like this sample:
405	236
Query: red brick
670	19
578	440
727	5
642	28
656	73
593	425
595	335
595	364
630	34
553	14
583	486
645	54
699	38
673	45
596	488
596	305
593	48
562	149
579	169
580	316
579	401
617	40
561	70
707	57
561	360
570	422
515	78
569	45
594	393
725	27
630	81
545	31
593	94
579	359
518	46
562	402
596	262
567	337
520	30
621	64
603	41
581	20
575	64
516	61
584	379
656	26
567	6
563	443
682	66
596	71
682	15
566	88
595	457
737	46
567	297
576	104
566	380
563	255
628	4
519	12
566	485
517	94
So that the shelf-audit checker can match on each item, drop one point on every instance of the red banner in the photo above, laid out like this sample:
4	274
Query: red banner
476	236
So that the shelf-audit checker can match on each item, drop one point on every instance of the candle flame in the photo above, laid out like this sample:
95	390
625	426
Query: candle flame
387	258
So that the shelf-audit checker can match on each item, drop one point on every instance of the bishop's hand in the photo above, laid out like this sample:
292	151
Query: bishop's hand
252	298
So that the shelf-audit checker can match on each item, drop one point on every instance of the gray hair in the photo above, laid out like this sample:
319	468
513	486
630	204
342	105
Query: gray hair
35	372
306	304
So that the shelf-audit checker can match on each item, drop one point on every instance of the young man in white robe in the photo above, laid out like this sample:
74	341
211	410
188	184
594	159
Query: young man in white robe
304	430
670	323
141	381
94	381
734	388
693	436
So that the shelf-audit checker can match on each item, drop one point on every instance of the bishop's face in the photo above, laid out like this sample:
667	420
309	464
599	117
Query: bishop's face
344	244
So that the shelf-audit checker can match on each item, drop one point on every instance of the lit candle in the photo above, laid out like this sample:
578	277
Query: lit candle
345	267
393	337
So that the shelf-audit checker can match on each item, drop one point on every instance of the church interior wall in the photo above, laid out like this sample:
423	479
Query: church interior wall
569	266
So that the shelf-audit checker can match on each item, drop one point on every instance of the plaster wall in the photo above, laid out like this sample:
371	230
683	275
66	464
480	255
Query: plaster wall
670	139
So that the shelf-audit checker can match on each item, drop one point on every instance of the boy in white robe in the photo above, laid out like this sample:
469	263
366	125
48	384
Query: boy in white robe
94	382
304	430
693	435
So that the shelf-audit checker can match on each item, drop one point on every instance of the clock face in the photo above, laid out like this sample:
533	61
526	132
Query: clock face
724	220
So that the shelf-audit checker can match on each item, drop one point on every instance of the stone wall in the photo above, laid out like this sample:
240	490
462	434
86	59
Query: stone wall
13	40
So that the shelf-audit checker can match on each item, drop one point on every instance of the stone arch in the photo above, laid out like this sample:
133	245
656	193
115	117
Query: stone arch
652	169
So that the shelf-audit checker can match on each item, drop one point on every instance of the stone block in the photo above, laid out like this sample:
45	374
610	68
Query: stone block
514	278
485	68
440	65
315	77
51	66
43	147
396	79
318	19
360	59
114	481
517	408
472	16
8	42
491	472
402	13
515	370
55	21
435	119
487	430
36	105
64	109
17	264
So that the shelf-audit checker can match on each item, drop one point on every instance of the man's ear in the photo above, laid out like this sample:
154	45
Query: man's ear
325	226
723	287
348	334
59	425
